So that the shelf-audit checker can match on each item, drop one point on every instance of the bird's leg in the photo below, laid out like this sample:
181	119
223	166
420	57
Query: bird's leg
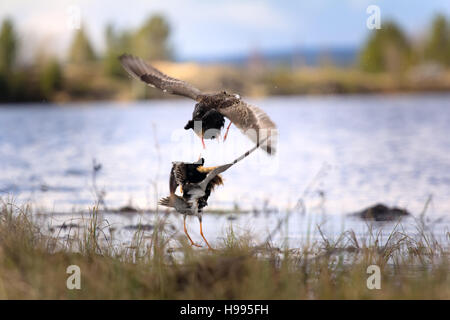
203	142
226	132
203	236
187	234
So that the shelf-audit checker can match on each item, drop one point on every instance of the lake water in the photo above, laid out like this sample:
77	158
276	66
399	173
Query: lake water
338	154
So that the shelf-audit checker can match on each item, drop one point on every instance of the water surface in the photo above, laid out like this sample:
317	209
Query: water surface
338	154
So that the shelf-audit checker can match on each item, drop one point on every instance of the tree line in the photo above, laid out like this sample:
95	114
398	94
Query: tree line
388	49
40	79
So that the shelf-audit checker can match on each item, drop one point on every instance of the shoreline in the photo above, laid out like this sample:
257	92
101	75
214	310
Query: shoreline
123	103
89	83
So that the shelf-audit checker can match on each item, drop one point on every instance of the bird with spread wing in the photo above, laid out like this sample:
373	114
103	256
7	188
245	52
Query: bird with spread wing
210	109
196	183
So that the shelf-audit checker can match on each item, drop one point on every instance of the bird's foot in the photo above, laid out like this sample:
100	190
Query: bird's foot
210	248
196	245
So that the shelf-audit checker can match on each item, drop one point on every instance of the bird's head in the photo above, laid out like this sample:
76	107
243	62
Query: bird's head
200	161
189	125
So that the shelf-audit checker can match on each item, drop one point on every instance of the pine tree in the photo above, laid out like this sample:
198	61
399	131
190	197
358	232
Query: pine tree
8	47
438	45
151	40
51	78
116	44
387	49
81	50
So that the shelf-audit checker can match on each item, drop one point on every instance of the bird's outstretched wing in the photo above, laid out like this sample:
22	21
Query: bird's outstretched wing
220	169
212	174
254	123
140	70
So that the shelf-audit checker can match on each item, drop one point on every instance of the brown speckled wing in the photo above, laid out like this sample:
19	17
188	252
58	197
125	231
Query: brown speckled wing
140	70
254	123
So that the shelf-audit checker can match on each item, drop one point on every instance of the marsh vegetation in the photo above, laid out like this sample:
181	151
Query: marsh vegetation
158	264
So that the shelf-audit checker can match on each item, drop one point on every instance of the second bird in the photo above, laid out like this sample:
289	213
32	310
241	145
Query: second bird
196	183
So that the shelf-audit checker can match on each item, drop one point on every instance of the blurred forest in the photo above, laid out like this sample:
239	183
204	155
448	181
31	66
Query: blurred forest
389	61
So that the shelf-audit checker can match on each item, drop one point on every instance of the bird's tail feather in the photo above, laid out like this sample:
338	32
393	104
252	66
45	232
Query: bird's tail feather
165	202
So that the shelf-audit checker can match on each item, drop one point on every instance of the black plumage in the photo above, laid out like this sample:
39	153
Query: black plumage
184	173
210	123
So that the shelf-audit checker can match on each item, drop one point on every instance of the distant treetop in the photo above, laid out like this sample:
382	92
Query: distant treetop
8	47
151	40
81	50
387	49
438	45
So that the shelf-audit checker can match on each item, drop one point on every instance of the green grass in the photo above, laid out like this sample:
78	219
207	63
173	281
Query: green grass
33	265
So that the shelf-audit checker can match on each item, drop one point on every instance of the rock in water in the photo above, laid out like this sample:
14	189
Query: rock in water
380	212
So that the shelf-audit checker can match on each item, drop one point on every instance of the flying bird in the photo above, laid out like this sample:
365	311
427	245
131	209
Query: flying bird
196	182
210	111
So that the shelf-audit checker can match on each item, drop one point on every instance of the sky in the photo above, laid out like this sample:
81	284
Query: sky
219	28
